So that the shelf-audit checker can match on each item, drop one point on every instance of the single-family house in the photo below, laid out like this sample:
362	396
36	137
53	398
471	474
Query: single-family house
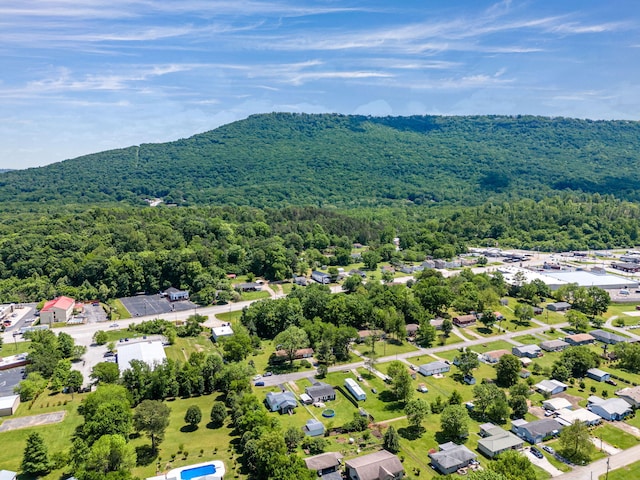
529	351
555	404
631	395
301	281
57	310
464	320
598	375
607	337
559	307
436	323
451	457
433	368
493	356
221	331
355	389
359	273
524	373
380	465
175	295
611	409
326	465
568	417
552	387
579	339
537	431
321	277
553	345
282	402
412	329
248	287
537	311
9	405
299	354
313	428
364	334
321	392
498	440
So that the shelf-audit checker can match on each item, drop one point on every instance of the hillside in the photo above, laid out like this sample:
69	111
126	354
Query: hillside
350	161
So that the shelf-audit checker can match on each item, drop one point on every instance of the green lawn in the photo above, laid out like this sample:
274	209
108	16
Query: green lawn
232	317
615	437
488	347
13	348
244	296
527	339
119	310
185	346
386	348
624	473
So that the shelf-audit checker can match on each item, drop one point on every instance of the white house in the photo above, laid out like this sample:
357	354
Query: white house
222	331
551	386
568	417
433	368
355	389
611	409
529	351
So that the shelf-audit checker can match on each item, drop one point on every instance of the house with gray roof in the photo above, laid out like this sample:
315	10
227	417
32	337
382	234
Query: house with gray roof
551	387
321	392
282	402
537	431
611	409
559	307
631	395
313	428
553	345
380	465
433	368
451	457
327	465
528	351
598	375
607	337
498	440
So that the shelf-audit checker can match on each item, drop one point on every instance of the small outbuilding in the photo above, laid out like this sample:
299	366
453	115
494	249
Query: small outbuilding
222	331
598	375
9	405
313	428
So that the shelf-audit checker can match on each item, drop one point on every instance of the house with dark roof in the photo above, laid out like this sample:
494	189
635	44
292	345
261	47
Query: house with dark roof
380	465
412	329
451	457
608	337
553	345
537	431
282	402
321	392
559	307
464	320
327	465
248	287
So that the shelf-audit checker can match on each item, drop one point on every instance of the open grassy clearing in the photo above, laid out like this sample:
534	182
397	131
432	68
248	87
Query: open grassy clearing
624	473
244	296
385	348
614	436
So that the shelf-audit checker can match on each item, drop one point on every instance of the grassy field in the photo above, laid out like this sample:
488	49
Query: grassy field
625	473
119	311
615	437
244	296
385	348
184	346
13	348
232	317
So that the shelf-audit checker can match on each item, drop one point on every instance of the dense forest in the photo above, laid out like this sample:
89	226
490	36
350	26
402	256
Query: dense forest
277	160
107	252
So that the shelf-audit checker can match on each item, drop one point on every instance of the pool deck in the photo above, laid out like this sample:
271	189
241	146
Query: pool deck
175	473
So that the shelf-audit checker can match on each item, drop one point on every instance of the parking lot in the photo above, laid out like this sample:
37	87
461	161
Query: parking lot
93	313
8	379
143	305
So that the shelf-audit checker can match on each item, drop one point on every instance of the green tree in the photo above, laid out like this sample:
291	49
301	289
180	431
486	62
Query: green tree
447	327
35	460
60	375
523	313
291	340
488	318
491	401
152	418
578	360
454	422
218	414
513	466
105	372
416	411
74	381
519	406
629	355
391	440
238	346
107	411
352	283
371	259
111	453
100	337
30	387
292	438
508	370
426	334
575	443
455	398
401	382
578	320
467	362
193	416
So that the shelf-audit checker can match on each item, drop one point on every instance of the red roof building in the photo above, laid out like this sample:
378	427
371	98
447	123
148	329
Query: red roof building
57	310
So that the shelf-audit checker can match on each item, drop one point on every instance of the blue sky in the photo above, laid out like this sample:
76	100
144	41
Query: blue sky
84	76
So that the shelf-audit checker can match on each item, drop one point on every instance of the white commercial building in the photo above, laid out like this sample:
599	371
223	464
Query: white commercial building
151	353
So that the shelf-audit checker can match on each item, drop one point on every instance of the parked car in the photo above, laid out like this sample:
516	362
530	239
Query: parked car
536	453
548	449
268	374
259	384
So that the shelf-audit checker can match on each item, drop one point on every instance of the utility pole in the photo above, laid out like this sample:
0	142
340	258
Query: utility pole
607	476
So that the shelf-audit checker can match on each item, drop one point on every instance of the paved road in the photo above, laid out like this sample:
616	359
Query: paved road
599	467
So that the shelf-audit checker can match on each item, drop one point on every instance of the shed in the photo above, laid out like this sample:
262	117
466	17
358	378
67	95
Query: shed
9	405
222	331
598	375
306	399
433	368
313	428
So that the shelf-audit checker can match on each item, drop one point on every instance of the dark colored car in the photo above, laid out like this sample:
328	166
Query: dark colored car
259	384
536	452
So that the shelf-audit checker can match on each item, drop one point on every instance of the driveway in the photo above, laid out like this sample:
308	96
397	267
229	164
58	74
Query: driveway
543	463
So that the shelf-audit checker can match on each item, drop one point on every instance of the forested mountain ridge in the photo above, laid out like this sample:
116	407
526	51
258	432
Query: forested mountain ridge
352	161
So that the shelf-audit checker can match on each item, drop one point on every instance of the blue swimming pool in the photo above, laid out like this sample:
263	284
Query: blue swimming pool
196	472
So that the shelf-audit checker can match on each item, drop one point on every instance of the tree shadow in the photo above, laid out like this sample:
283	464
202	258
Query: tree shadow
387	396
214	426
411	433
485	330
442	438
145	455
188	428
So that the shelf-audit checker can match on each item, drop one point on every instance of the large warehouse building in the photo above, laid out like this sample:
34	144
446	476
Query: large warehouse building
151	353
